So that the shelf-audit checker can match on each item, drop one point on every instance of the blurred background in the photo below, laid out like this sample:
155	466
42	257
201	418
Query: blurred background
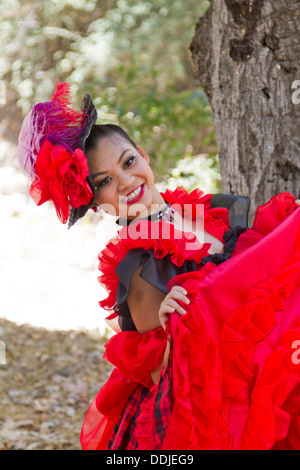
133	58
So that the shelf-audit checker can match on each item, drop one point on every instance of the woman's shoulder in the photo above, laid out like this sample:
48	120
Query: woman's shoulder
160	238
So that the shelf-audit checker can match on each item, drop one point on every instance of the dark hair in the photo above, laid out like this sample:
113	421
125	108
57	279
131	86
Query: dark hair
97	132
100	131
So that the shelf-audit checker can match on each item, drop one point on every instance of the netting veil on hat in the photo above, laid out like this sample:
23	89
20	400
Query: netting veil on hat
51	153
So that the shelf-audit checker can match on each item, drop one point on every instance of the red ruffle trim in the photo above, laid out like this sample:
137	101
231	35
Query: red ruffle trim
275	211
105	410
181	196
267	218
162	238
134	356
181	246
216	220
237	385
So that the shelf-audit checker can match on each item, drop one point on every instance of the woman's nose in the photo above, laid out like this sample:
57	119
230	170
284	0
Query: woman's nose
125	181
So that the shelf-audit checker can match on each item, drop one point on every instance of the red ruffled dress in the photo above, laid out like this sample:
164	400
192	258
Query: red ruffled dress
232	380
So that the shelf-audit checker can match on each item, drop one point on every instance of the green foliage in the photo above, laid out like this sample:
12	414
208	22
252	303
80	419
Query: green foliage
164	123
195	172
131	56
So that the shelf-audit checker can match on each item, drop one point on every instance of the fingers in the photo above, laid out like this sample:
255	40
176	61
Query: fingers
170	304
297	201
179	289
175	305
178	293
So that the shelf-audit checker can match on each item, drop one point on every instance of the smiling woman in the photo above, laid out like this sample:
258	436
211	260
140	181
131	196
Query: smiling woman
121	173
202	353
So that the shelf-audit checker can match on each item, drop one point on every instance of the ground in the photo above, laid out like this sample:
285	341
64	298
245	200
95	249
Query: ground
48	380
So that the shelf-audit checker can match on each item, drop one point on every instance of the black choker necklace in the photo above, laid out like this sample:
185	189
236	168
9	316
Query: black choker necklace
166	214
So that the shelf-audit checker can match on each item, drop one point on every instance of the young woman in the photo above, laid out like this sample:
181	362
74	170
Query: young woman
205	311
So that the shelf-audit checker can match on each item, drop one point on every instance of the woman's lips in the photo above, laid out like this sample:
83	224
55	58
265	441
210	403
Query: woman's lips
138	196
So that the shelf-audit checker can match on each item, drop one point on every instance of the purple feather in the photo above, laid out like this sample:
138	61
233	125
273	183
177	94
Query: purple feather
53	120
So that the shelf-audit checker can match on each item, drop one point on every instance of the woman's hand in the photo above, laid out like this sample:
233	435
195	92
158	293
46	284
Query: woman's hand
169	304
297	202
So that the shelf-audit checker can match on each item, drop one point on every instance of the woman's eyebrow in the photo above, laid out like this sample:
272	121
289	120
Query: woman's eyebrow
119	161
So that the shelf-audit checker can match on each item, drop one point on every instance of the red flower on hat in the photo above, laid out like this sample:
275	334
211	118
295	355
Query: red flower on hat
61	178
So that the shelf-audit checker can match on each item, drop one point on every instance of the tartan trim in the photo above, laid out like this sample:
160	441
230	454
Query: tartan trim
163	404
124	436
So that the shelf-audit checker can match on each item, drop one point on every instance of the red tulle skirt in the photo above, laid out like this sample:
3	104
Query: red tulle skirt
235	365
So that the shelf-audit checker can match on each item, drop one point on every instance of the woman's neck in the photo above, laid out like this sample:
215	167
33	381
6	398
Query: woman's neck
158	204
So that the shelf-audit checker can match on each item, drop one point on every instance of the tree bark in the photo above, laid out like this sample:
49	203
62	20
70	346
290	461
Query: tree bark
246	55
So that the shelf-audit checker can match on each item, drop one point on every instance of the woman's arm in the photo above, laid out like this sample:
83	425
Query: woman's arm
144	302
149	307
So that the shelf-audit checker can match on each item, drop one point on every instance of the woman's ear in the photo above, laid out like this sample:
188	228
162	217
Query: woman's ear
143	153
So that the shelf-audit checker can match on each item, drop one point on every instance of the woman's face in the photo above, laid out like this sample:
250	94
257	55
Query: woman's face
123	178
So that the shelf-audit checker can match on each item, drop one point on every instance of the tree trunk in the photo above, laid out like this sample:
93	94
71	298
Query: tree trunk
246	55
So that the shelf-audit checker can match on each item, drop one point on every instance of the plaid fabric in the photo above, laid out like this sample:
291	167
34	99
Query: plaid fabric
124	436
163	404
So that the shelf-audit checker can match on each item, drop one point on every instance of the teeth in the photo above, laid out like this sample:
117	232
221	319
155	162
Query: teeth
134	194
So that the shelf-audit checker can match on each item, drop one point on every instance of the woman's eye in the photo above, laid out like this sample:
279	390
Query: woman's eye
107	179
102	183
129	161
